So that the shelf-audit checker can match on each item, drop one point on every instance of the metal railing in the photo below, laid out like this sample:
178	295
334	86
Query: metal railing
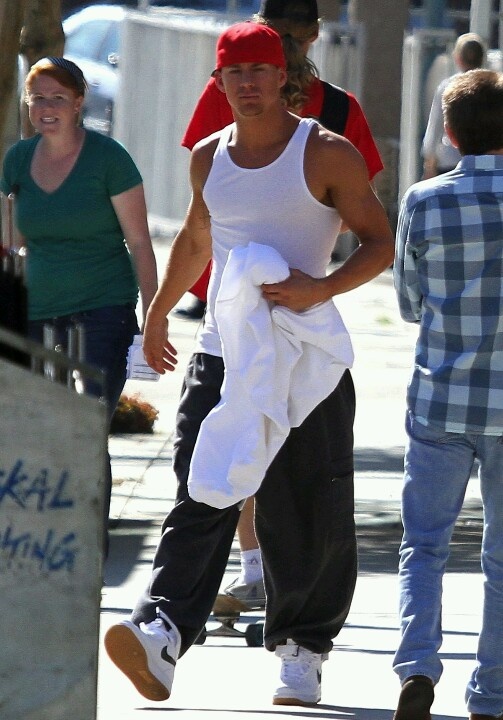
57	366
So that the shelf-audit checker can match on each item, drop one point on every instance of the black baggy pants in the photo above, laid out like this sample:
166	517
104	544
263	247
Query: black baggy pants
304	514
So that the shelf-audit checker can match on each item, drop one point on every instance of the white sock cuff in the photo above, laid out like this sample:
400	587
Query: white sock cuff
251	557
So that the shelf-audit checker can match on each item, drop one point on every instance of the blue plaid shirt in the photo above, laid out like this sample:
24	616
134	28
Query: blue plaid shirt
449	278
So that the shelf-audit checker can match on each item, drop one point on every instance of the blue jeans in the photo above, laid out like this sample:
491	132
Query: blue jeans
437	469
108	334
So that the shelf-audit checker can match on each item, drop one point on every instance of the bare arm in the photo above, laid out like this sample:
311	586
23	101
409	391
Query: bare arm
337	176
190	253
360	209
132	214
344	227
433	135
430	167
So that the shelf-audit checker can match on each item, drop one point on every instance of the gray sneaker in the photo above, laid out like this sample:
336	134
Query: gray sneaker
250	594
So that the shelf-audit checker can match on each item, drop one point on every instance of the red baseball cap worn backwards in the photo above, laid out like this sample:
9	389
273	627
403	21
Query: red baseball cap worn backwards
249	42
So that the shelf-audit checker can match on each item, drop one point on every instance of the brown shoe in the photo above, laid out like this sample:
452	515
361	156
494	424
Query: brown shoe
478	716
416	699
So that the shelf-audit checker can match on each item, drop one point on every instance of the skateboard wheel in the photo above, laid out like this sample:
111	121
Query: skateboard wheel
254	635
201	638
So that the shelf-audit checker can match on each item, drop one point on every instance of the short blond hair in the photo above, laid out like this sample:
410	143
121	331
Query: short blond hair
470	50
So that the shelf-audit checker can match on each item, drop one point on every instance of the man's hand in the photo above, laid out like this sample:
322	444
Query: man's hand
159	352
298	292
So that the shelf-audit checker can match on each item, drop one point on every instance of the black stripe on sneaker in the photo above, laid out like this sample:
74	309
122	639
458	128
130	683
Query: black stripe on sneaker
166	657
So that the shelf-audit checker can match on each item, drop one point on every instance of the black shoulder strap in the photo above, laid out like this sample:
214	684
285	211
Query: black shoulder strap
335	108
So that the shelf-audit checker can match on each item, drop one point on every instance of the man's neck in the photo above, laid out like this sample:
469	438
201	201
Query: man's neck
258	141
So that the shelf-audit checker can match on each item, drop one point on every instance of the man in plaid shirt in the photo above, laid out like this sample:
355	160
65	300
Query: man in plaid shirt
449	279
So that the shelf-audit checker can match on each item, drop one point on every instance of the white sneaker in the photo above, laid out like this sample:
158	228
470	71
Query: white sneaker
147	654
300	675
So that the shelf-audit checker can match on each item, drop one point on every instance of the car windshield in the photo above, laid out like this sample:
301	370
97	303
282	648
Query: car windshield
95	39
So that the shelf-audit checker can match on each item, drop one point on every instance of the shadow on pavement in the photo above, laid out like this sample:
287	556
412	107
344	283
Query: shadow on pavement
332	712
129	546
133	542
377	460
378	545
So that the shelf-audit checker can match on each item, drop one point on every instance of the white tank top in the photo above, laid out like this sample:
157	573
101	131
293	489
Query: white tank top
271	205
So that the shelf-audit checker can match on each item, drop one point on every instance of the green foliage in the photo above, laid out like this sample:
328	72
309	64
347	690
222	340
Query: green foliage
384	320
133	415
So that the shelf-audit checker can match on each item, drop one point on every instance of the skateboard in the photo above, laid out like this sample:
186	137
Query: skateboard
227	610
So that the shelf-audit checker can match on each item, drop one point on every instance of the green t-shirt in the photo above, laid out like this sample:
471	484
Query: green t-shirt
77	258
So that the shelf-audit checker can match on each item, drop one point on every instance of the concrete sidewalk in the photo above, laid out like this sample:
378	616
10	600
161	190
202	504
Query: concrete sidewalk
226	678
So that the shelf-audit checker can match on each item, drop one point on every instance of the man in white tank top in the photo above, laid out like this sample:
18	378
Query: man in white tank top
272	179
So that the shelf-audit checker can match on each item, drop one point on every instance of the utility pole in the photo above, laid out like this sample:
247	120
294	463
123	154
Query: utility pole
11	22
480	19
41	35
380	97
434	13
329	10
434	18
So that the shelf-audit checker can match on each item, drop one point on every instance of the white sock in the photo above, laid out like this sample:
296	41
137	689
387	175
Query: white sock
251	566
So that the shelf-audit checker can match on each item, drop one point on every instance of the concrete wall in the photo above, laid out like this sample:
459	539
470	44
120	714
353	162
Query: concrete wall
52	460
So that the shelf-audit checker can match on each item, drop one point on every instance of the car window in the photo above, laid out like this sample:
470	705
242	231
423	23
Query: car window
244	7
110	42
87	40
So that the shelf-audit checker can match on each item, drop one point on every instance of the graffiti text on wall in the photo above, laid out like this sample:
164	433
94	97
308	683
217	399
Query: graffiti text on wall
40	546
